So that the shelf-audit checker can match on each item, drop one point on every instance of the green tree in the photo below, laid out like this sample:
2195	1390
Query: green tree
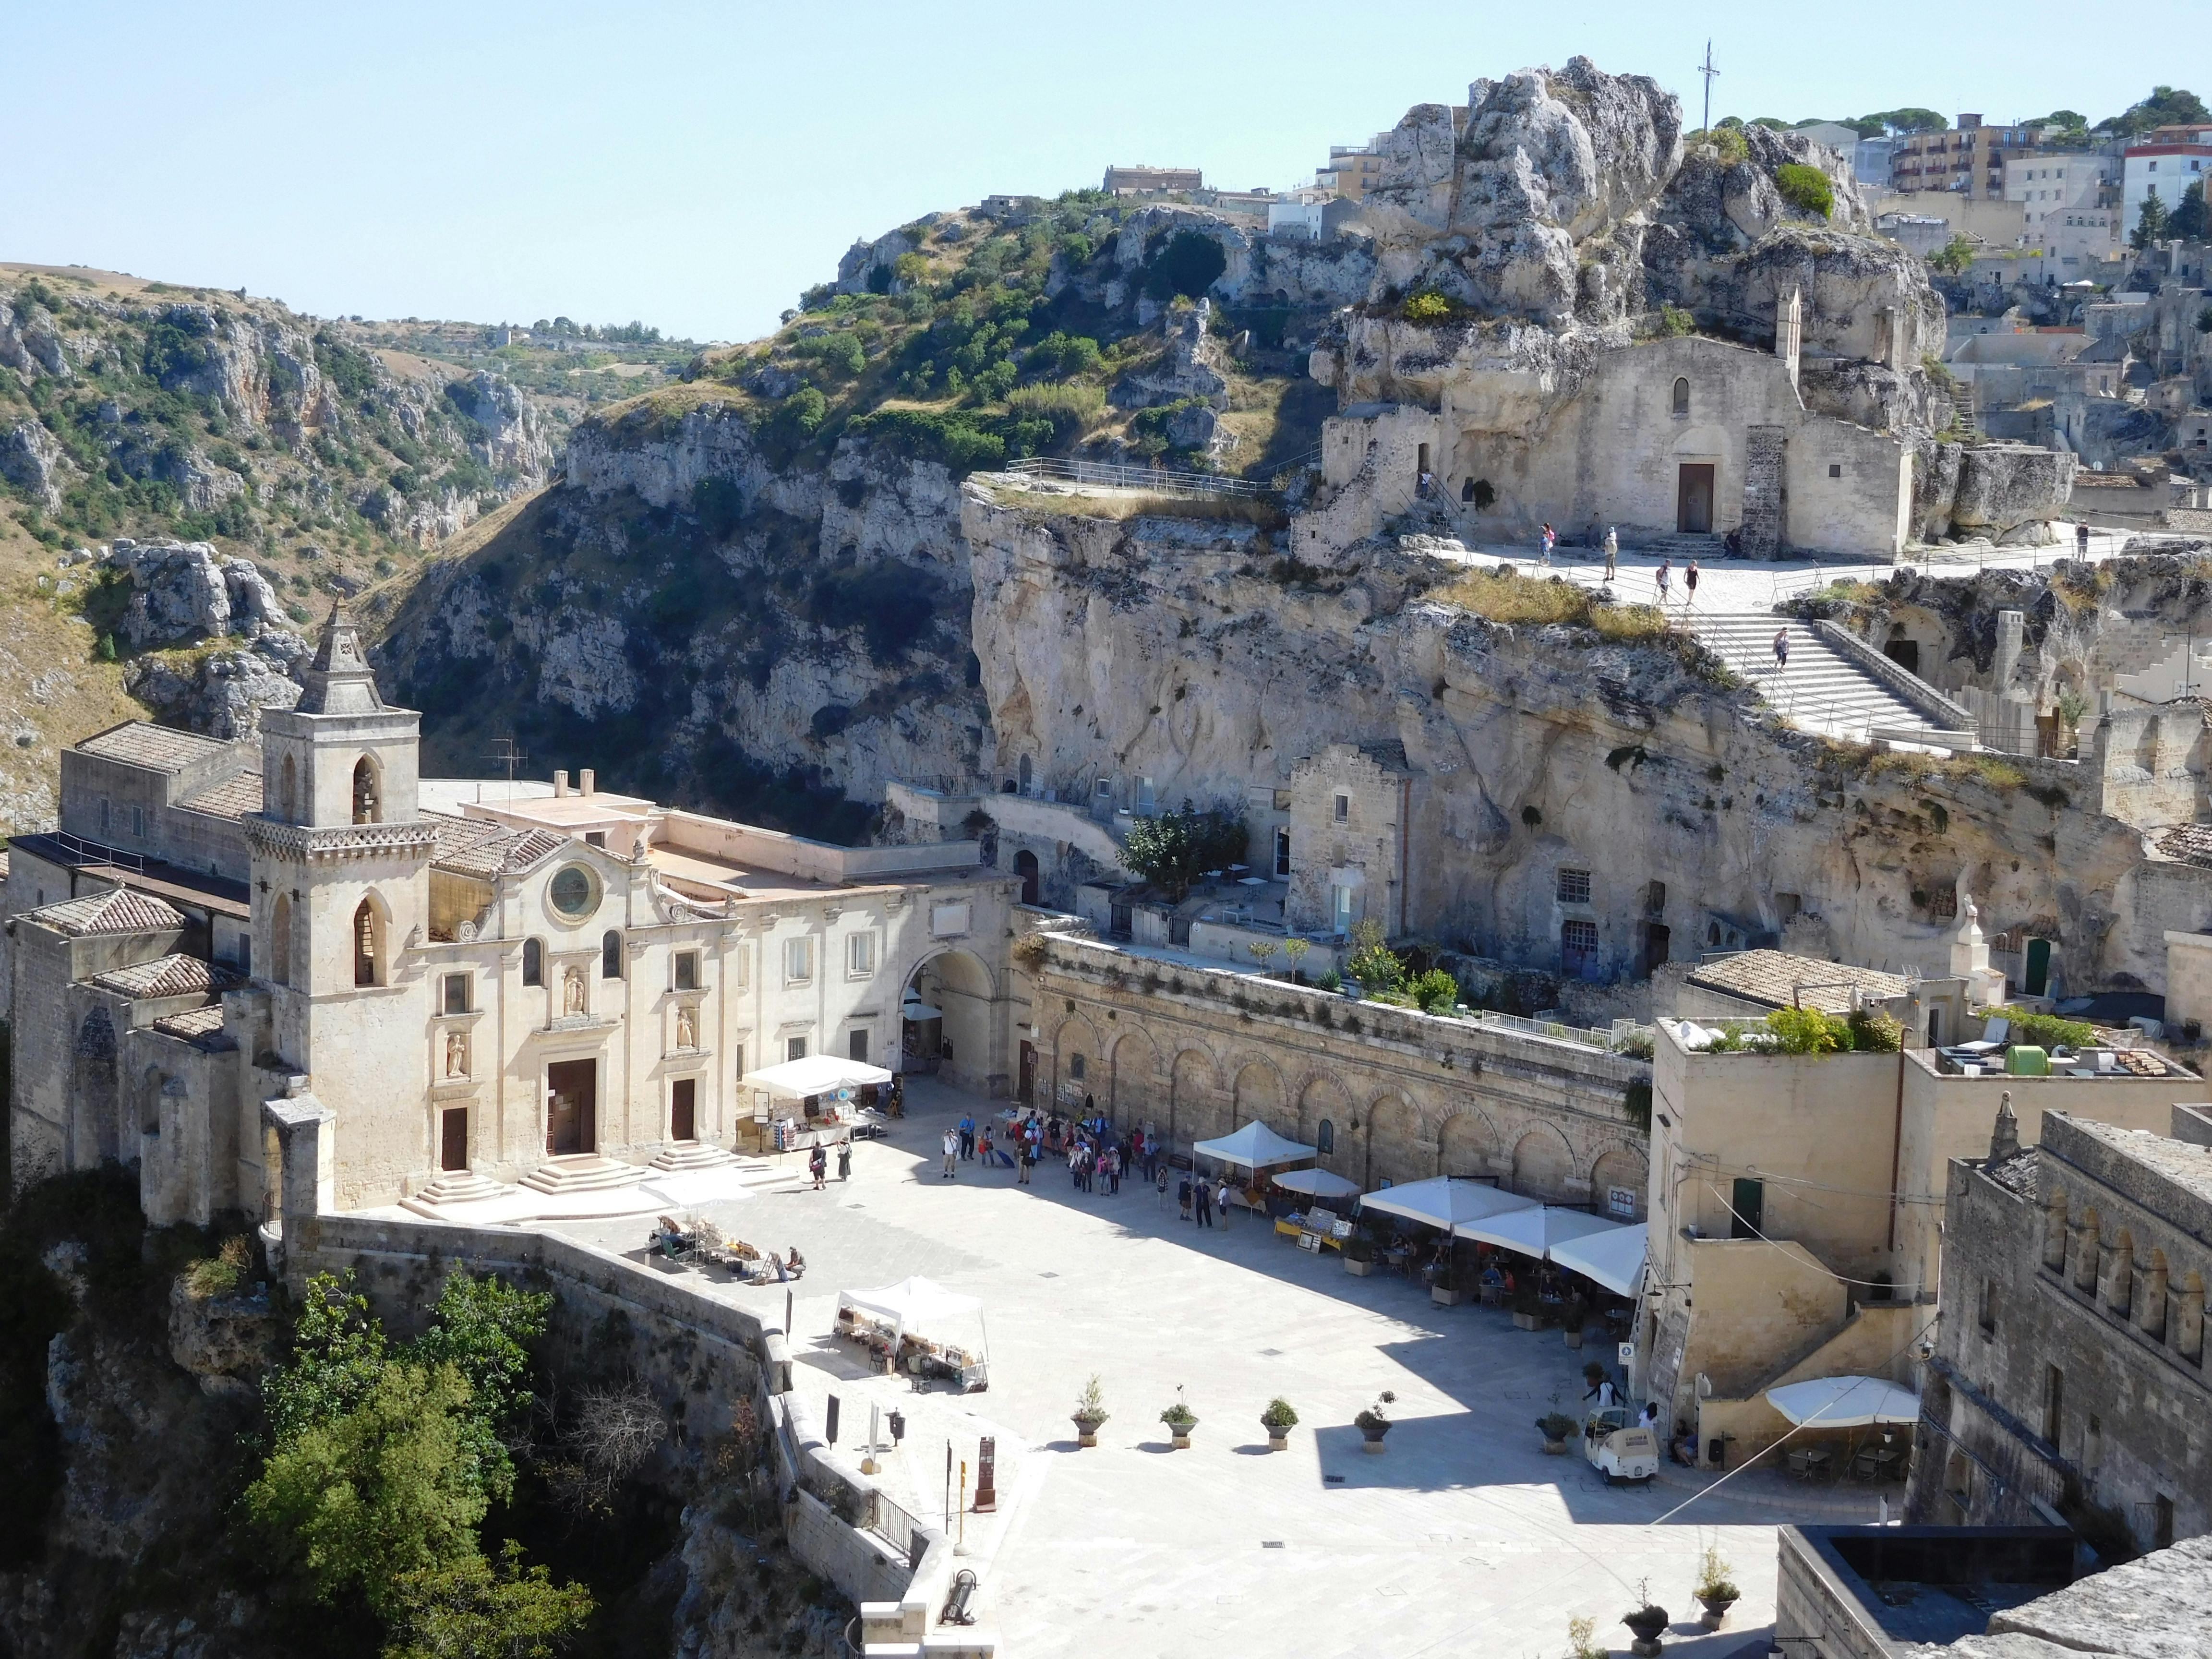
1955	258
2150	222
1373	965
1174	849
472	1608
338	1354
2165	106
1910	119
388	1488
2189	220
1434	992
1805	188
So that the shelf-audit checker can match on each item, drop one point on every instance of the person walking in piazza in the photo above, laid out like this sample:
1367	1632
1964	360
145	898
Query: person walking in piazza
951	1155
1550	539
2082	540
818	1166
1204	1202
1182	1197
1663	575
1781	648
967	1135
1612	552
1689	582
1221	1199
845	1160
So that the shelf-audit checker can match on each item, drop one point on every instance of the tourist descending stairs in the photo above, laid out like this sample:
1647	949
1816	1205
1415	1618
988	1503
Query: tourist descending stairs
1821	691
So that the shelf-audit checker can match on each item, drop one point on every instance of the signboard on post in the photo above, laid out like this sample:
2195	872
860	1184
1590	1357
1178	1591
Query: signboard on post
1628	1353
987	1476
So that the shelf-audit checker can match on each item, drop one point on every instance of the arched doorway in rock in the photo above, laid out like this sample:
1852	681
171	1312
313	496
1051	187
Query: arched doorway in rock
1025	866
944	1022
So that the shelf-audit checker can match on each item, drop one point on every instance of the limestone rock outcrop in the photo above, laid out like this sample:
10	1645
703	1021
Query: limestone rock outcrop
184	591
2009	493
34	462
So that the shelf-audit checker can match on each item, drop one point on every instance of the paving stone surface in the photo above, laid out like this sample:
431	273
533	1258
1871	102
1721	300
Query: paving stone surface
1462	1538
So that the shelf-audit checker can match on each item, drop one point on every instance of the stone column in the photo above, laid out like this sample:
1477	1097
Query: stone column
303	1149
2150	1299
2054	1231
2082	1245
2116	1273
2187	1320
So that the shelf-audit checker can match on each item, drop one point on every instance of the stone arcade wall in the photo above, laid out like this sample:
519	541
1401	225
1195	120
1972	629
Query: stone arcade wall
1405	1096
703	1356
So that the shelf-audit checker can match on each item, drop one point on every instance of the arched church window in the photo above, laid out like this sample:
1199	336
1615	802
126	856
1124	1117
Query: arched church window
1681	396
610	956
367	945
533	962
367	808
1325	1138
288	793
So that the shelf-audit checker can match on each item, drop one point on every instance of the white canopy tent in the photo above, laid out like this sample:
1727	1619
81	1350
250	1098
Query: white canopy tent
816	1074
1256	1147
921	1305
1614	1259
1444	1201
1317	1183
1846	1402
914	1008
1534	1231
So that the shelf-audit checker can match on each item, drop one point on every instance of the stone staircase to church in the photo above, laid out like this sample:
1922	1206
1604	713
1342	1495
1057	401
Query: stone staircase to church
582	1172
1822	690
453	1186
679	1155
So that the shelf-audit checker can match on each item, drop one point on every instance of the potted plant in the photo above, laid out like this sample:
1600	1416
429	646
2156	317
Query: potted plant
1090	1413
1716	1590
1555	1427
1181	1421
1582	1633
1526	1315
1646	1623
1375	1422
1577	1313
1443	1286
1279	1419
1359	1255
1295	950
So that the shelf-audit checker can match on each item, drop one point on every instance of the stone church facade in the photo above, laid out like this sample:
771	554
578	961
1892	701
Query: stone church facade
227	949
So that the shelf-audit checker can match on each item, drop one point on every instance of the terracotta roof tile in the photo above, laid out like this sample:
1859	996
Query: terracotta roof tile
233	798
117	910
1772	977
2192	843
142	743
173	976
193	1025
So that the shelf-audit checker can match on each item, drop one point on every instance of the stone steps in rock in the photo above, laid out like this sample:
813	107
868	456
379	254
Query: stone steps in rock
1822	689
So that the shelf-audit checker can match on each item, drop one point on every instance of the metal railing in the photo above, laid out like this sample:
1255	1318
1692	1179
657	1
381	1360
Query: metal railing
897	1528
1154	480
92	851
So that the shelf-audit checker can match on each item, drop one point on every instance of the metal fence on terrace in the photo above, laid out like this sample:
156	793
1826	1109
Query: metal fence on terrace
897	1528
1154	480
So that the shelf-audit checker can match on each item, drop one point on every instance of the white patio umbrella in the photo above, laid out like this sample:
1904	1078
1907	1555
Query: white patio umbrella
1317	1183
1535	1231
1444	1201
815	1074
919	1304
1846	1402
1614	1260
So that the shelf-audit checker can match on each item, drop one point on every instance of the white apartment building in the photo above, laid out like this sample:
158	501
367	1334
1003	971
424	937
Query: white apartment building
2066	201
2168	168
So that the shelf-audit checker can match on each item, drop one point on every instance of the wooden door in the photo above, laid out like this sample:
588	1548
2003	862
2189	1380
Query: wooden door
572	1115
2037	977
683	1109
454	1137
1693	500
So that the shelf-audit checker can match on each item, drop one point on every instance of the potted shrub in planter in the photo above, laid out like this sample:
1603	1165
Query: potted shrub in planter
1646	1623
1443	1287
1555	1427
1279	1419
1526	1317
1375	1422
1181	1421
1359	1255
1716	1590
1577	1313
1090	1413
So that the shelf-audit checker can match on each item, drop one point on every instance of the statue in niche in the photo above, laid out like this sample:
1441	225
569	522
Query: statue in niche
572	991
457	1054
686	1027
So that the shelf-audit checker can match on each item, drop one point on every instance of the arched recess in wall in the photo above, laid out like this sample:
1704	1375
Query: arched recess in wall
280	937
1079	1063
1467	1144
1258	1094
1133	1087
1323	1100
288	790
1542	1163
1392	1128
96	1094
1621	1170
1192	1113
367	792
370	926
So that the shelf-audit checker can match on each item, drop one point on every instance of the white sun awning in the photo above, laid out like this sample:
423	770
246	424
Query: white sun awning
1444	1201
1844	1402
1536	1230
921	1304
1614	1260
1256	1147
920	1010
1317	1183
817	1074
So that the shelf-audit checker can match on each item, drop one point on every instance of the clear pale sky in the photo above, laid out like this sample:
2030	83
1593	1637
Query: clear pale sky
697	165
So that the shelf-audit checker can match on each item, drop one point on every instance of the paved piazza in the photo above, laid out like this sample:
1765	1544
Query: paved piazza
1463	1539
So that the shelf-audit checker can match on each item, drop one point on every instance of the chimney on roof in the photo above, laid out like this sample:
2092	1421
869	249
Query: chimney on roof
560	784
586	783
2005	1141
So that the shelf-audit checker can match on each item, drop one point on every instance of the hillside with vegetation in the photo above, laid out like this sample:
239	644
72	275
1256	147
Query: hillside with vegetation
750	593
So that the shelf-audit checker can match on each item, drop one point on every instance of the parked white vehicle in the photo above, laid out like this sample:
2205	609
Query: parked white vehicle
1619	1449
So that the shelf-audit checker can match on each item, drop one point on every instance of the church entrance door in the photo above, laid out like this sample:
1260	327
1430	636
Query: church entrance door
1693	500
572	1088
